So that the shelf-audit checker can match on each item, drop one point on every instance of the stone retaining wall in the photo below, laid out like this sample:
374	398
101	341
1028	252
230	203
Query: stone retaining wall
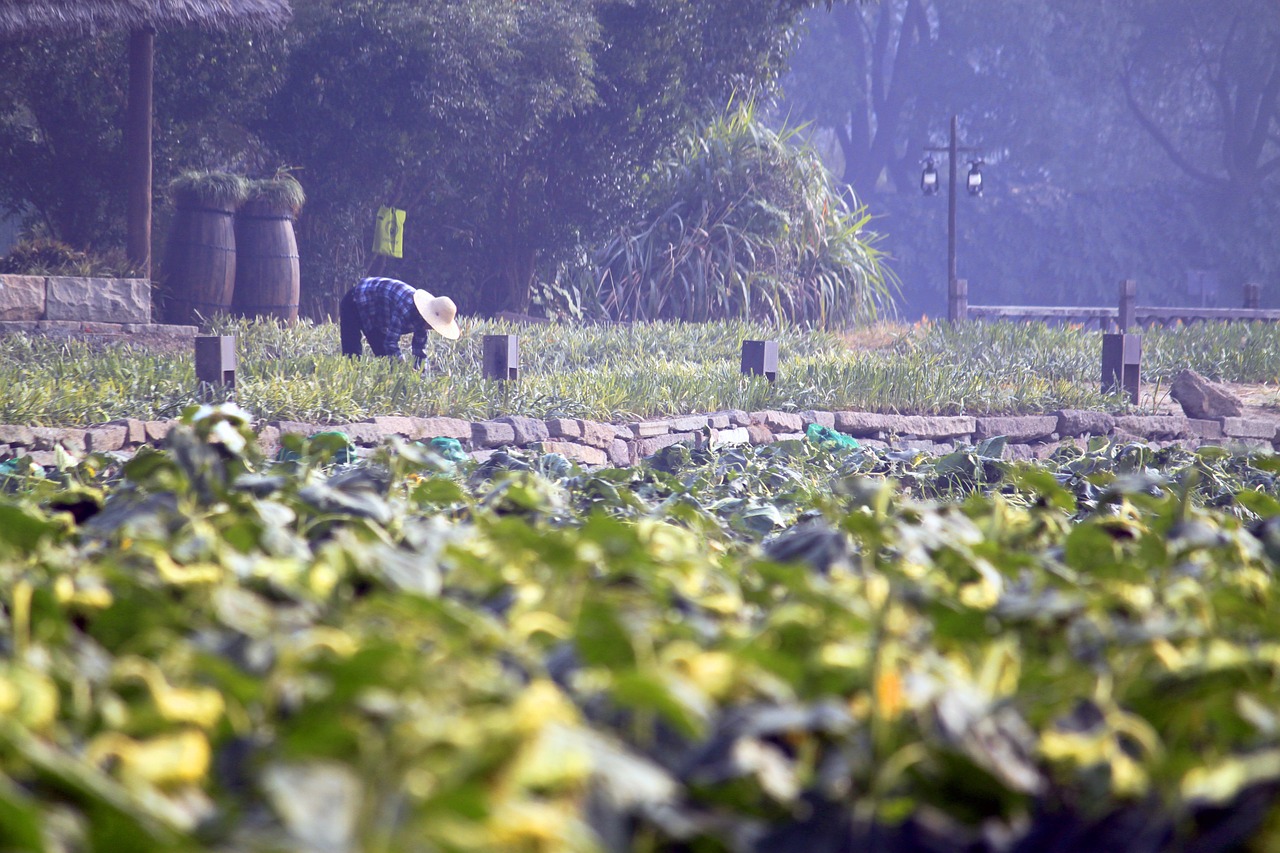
593	443
93	309
72	299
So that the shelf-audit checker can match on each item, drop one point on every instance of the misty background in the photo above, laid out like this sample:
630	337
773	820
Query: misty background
1130	139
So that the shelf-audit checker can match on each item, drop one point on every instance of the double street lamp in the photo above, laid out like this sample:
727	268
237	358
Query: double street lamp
929	186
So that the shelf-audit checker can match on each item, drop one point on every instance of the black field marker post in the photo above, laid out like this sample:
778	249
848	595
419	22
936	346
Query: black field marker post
1122	364
216	365
760	358
502	357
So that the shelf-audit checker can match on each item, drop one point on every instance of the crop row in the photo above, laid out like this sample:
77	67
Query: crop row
627	372
786	647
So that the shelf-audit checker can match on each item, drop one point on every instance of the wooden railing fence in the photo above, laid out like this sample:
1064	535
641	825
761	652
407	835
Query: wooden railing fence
1126	315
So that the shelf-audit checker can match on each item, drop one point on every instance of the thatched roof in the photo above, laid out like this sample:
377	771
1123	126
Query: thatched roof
21	19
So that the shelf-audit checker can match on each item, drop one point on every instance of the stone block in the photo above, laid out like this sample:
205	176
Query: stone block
874	425
579	453
736	435
362	434
22	297
652	444
718	420
1078	422
1249	428
102	300
1157	427
17	434
688	423
135	431
79	328
1204	428
648	429
407	428
597	434
759	434
72	440
490	434
1021	428
564	428
822	419
444	428
778	421
298	428
157	430
621	453
921	445
527	430
105	437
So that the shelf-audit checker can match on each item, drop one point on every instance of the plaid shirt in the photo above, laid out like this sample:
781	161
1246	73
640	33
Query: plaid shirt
386	311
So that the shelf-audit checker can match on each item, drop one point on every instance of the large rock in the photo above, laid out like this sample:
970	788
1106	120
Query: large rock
1203	399
101	300
22	297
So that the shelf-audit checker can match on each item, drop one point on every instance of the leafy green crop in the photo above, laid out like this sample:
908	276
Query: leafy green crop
785	647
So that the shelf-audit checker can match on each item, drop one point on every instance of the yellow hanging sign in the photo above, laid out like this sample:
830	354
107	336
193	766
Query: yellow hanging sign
388	234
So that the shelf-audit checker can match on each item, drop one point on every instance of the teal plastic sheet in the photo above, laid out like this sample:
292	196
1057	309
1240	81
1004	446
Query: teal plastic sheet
828	437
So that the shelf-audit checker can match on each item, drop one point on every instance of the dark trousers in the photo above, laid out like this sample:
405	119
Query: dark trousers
352	333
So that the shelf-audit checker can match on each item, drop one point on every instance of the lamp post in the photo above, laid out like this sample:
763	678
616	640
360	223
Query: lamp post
929	186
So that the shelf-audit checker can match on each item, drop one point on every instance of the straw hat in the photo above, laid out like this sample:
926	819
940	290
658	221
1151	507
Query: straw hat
439	312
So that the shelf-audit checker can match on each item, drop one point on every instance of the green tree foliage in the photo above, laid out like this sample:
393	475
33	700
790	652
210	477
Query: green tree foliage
61	108
744	222
60	141
510	133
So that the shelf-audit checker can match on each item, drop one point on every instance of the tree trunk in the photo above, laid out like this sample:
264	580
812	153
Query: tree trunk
138	144
507	288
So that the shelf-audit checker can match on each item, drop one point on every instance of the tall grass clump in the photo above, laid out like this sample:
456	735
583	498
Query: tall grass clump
745	223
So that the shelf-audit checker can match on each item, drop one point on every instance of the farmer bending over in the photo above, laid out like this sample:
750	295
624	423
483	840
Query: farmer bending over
384	309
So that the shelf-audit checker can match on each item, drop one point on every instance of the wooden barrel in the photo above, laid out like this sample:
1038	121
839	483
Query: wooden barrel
267	275
199	263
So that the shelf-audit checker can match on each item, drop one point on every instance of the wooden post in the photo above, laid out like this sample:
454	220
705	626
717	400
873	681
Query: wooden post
1128	305
138	148
1252	295
958	300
